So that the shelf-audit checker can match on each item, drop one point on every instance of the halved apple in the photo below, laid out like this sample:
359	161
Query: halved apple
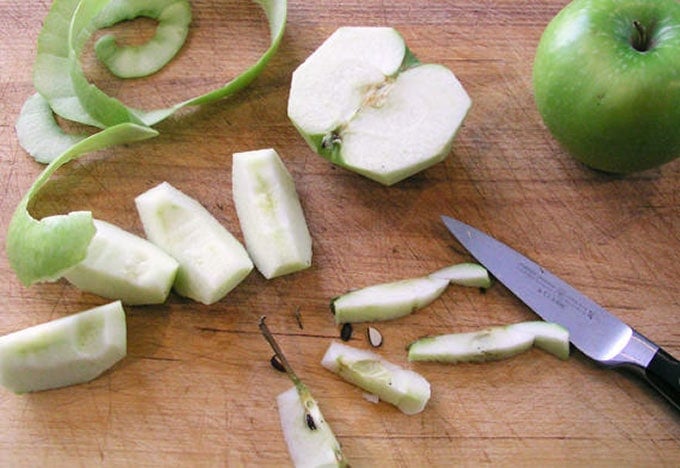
363	101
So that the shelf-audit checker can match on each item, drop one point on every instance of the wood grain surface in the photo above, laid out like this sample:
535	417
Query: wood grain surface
197	389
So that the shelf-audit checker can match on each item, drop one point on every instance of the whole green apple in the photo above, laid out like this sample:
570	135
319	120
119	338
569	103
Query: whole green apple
607	82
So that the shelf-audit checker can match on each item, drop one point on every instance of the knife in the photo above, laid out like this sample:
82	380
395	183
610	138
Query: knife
595	332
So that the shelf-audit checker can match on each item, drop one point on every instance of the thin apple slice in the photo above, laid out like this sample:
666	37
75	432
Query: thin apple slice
309	438
211	260
66	351
364	102
493	343
405	389
465	274
387	301
269	211
121	265
550	337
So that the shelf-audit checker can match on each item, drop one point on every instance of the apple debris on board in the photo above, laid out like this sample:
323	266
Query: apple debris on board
66	351
309	438
404	388
365	103
493	343
270	214
211	260
605	79
388	301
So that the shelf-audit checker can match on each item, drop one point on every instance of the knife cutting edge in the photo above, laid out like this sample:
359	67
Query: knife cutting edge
595	332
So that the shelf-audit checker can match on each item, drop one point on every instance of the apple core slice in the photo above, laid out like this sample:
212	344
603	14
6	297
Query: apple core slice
364	102
66	351
404	388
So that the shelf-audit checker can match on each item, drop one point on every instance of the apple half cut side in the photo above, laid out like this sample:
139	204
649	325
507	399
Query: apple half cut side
364	102
211	260
120	265
66	351
269	211
493	343
404	388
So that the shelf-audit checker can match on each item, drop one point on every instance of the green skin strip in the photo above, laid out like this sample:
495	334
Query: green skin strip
59	77
173	18
42	250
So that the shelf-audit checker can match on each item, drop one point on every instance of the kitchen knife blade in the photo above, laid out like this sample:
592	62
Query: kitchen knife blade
594	331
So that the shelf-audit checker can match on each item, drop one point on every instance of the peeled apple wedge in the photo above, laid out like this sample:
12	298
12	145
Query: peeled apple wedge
211	260
308	436
364	102
269	211
387	301
121	265
492	343
405	389
66	351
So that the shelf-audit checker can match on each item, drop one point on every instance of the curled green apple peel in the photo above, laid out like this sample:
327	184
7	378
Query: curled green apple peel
43	250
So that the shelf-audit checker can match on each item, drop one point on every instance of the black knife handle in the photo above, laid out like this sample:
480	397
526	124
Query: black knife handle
663	371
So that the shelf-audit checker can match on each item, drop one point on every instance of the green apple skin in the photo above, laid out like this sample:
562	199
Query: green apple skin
613	107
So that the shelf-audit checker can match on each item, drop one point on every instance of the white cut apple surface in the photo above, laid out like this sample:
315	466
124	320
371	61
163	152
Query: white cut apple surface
364	102
493	343
66	351
211	260
404	388
269	211
121	265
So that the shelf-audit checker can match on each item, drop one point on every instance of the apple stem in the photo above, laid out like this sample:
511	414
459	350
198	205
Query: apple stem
279	353
640	40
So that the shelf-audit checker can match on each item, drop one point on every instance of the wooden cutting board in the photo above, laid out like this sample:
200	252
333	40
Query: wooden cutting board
197	389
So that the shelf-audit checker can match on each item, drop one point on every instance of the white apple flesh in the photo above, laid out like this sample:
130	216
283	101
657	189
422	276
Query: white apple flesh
364	102
66	351
269	211
121	265
404	388
211	260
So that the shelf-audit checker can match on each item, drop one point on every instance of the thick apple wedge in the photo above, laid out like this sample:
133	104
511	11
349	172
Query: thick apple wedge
211	260
120	265
309	438
405	389
66	351
493	343
269	211
388	301
364	102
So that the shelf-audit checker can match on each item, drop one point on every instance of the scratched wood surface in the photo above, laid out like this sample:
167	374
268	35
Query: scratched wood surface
197	389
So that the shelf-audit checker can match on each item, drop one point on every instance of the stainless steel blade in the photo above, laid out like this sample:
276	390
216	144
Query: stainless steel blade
593	330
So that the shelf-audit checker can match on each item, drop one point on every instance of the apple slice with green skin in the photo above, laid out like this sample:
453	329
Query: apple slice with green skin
121	265
211	260
388	301
364	102
269	211
309	438
405	389
493	343
66	351
465	274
